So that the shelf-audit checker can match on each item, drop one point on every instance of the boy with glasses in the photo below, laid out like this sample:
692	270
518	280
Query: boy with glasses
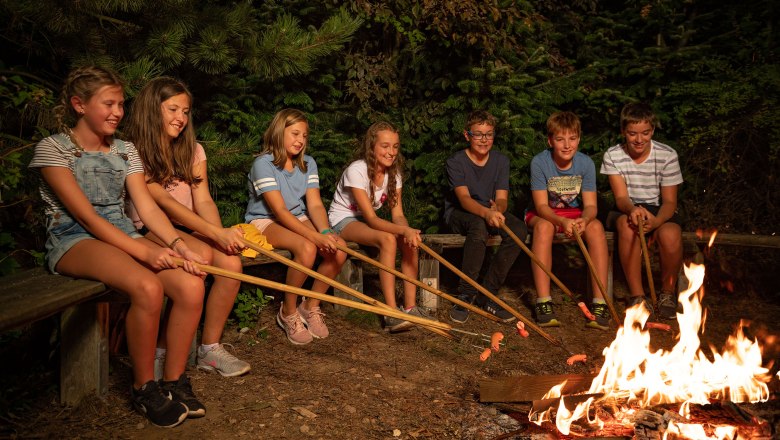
476	207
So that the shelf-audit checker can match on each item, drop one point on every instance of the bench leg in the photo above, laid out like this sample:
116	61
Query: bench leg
351	275
84	352
429	275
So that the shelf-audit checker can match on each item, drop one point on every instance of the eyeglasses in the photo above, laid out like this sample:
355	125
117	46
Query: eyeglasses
480	136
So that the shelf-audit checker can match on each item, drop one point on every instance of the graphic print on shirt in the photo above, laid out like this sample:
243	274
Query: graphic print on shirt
563	191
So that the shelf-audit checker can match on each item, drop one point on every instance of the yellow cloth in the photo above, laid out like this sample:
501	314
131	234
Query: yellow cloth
252	234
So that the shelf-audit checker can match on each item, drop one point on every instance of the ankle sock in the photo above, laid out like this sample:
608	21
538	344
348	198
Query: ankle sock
205	348
543	300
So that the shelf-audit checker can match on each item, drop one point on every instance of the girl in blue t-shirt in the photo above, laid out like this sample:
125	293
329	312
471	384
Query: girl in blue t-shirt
285	206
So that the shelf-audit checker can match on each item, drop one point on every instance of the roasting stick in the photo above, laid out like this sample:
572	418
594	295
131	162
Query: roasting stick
395	313
417	283
535	259
649	270
592	268
487	293
333	283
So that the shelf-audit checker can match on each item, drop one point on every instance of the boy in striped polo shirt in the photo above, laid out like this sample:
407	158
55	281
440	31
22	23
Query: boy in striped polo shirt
644	175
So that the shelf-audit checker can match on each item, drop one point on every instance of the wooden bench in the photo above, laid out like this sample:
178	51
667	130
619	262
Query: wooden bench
430	270
83	306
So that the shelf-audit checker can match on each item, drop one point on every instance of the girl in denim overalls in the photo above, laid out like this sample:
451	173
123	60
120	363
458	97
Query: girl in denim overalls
86	175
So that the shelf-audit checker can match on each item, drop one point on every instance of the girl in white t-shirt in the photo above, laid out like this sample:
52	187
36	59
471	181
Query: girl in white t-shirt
369	182
176	175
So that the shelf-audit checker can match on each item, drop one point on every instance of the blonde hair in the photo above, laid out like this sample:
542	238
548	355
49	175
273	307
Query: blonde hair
273	139
82	82
560	122
365	151
163	161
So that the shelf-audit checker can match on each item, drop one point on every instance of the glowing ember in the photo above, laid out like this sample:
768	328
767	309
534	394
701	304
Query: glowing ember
634	375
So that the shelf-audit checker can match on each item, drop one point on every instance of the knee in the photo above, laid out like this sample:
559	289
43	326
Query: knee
191	292
306	253
669	236
148	295
232	263
594	230
387	242
207	253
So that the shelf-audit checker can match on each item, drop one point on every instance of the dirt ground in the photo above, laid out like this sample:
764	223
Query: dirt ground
360	383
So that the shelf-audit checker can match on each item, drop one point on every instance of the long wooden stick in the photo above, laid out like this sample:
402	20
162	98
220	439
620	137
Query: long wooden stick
417	283
318	276
649	269
487	293
395	313
593	273
539	263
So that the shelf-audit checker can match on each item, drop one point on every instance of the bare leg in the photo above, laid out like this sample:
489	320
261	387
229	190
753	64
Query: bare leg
94	259
669	236
304	253
409	267
597	248
361	233
543	234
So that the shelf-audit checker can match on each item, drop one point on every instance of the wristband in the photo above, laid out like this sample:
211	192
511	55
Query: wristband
326	231
173	243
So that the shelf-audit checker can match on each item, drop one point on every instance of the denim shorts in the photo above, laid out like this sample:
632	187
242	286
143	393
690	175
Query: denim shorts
65	232
338	227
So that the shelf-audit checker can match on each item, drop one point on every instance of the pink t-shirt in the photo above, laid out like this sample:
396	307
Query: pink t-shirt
180	191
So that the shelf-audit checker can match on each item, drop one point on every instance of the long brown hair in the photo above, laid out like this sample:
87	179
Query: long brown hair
83	82
163	161
273	139
365	151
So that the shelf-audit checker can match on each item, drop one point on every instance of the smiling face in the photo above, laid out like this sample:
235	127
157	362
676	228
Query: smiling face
103	111
386	148
564	146
295	138
175	115
638	136
480	137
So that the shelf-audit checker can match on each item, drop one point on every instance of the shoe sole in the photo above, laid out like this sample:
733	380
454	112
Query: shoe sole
181	420
211	369
279	321
460	321
551	323
596	325
399	328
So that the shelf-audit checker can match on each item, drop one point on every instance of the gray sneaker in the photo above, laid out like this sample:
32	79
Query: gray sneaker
221	361
396	325
418	312
667	306
635	300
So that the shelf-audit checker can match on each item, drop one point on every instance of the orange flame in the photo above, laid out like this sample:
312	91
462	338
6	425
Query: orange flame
684	375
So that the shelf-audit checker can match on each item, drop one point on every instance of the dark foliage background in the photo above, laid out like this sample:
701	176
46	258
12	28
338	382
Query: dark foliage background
708	68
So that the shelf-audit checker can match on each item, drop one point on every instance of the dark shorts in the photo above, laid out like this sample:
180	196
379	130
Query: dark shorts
614	214
144	230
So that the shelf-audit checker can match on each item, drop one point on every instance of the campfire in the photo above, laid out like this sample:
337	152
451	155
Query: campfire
682	381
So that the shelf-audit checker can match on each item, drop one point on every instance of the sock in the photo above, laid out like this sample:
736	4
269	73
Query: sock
407	310
543	299
159	353
205	348
599	301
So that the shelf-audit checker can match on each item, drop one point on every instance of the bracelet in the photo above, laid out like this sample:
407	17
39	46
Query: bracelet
173	243
326	231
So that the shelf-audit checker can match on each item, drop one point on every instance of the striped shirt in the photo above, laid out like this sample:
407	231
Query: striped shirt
265	176
644	180
49	153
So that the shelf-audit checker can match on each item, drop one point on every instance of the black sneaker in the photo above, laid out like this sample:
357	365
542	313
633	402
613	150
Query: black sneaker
667	306
155	404
459	314
545	315
601	313
181	391
498	311
634	300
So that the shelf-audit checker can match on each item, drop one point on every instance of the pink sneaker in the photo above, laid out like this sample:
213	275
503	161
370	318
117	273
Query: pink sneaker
314	320
294	328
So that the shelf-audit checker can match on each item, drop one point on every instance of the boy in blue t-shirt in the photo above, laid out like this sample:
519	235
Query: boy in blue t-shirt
476	207
563	187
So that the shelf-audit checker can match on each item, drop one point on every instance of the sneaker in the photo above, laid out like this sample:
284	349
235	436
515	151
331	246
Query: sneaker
545	315
181	391
601	312
294	328
459	314
667	306
220	360
159	366
416	311
397	325
157	406
634	300
314	320
498	311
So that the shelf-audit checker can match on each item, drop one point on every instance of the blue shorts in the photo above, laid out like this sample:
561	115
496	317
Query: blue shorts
64	232
338	227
